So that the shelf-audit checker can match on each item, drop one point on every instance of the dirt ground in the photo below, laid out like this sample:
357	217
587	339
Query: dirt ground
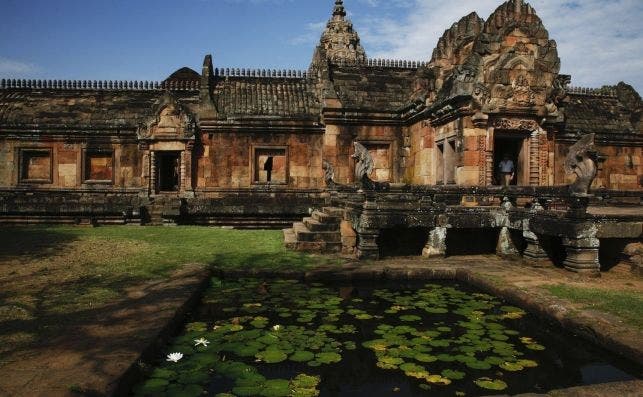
46	352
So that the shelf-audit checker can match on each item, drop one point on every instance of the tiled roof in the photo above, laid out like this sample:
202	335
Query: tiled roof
76	109
266	97
598	114
373	88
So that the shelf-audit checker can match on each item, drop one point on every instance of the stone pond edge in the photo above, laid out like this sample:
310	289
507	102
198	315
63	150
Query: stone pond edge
547	309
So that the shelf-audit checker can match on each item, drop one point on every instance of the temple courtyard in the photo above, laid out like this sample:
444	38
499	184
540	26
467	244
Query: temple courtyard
83	308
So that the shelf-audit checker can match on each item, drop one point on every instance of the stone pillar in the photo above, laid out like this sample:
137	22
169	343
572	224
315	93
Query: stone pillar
436	246
367	247
152	172
582	255
506	247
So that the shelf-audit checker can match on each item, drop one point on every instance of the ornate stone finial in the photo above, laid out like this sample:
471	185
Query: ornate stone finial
339	12
581	161
329	174
339	42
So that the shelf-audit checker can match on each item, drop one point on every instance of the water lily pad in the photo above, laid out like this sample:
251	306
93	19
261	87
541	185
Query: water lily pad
153	386
276	388
183	391
163	373
193	377
478	364
363	316
259	322
453	374
425	358
328	357
491	384
272	356
535	346
511	367
302	356
391	360
437	379
410	318
527	363
196	326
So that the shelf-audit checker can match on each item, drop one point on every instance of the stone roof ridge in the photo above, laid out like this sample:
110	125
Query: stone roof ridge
100	85
263	73
605	91
383	63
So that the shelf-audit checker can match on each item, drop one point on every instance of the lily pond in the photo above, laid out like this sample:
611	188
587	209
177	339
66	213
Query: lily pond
286	338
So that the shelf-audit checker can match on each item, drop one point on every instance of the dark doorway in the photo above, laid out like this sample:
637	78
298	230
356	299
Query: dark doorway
168	171
509	146
472	241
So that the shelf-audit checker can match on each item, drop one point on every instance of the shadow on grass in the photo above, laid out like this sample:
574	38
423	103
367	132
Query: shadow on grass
32	242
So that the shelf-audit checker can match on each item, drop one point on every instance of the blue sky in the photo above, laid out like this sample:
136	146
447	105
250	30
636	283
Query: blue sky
600	41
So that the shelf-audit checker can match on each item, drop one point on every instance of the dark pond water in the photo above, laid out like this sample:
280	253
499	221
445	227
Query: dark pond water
285	338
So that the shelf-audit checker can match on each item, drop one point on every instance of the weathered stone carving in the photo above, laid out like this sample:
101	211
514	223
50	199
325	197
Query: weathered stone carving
340	41
363	165
516	124
581	160
329	174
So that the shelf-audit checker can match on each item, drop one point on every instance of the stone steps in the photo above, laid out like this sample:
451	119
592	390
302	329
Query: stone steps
318	233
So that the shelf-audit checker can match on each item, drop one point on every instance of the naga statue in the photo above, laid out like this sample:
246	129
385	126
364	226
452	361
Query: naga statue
581	160
329	174
364	166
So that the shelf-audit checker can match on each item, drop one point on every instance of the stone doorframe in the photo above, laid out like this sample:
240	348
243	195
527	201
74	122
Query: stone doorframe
150	172
533	144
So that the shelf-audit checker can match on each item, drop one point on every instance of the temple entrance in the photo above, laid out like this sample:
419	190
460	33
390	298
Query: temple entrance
168	171
514	148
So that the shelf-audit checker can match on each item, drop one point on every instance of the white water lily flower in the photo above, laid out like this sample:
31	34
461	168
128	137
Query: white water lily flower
174	357
276	327
201	341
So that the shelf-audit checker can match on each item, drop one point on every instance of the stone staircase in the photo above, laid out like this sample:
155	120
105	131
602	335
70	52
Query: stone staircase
318	233
164	211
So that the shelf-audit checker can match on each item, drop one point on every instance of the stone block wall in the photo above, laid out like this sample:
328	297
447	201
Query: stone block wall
67	162
226	159
622	169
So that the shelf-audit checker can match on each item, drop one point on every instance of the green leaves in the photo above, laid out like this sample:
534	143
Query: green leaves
418	333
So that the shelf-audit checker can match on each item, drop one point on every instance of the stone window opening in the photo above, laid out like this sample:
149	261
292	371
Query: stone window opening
35	166
98	166
270	165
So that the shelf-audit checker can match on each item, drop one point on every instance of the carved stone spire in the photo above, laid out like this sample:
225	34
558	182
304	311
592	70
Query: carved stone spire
339	12
339	41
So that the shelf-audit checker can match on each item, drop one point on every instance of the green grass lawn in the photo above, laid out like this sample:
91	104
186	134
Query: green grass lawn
624	304
53	275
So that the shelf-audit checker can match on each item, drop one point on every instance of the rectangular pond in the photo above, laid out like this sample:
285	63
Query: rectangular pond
279	338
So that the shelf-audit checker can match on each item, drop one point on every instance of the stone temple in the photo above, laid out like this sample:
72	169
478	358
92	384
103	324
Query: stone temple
257	148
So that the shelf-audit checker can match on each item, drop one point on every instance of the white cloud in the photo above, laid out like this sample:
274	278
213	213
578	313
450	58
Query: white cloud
599	41
17	70
311	35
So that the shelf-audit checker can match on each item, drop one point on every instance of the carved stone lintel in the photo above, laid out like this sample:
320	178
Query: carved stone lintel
516	124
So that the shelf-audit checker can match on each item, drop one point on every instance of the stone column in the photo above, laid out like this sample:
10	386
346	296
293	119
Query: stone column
534	251
582	255
152	172
368	232
367	247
